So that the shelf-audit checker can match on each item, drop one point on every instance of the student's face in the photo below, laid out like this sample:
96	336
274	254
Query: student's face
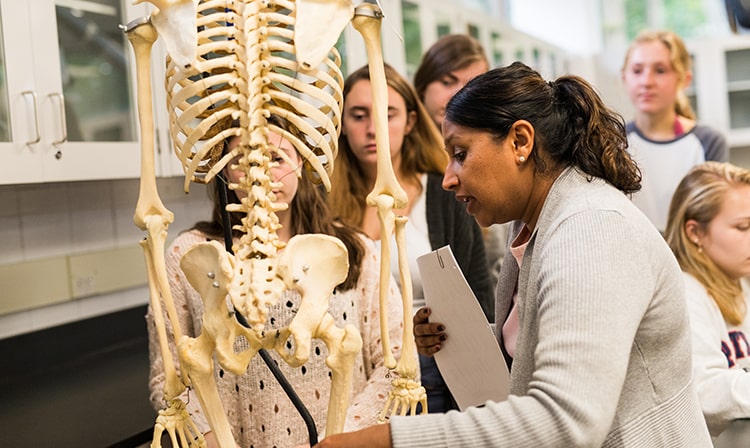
438	92
651	82
285	171
359	122
727	237
484	173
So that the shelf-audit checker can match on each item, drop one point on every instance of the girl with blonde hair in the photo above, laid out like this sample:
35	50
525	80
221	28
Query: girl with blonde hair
664	137
709	232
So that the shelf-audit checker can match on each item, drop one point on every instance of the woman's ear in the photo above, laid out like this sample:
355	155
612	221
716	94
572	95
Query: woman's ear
522	136
694	231
687	79
411	120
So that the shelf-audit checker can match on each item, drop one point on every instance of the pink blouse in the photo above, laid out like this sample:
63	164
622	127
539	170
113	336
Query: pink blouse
510	327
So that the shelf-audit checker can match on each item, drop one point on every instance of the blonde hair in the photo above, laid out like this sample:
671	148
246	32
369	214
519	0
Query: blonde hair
678	57
421	152
699	197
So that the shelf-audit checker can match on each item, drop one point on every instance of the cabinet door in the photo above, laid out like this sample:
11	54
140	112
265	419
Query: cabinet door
20	135
70	90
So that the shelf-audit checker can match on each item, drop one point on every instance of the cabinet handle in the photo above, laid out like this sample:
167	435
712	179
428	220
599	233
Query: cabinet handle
63	122
36	117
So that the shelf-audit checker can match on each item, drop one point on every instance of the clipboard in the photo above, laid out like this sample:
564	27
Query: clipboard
470	360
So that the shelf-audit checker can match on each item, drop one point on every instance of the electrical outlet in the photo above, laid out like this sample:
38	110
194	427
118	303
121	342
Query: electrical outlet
84	285
107	270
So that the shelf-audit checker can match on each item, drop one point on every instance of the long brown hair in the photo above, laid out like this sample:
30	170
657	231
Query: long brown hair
573	126
309	210
422	151
699	197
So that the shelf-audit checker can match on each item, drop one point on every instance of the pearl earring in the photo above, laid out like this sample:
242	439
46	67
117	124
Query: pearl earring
522	159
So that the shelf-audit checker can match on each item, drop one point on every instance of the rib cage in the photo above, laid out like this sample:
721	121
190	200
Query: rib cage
245	71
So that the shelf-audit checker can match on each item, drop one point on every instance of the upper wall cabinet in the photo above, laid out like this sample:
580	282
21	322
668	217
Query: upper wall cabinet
67	100
429	20
721	85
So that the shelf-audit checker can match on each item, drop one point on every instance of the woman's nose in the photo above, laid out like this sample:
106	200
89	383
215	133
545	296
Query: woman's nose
371	127
450	180
276	172
647	77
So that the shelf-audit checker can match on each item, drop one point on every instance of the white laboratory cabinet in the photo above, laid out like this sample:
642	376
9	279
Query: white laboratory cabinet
721	85
67	99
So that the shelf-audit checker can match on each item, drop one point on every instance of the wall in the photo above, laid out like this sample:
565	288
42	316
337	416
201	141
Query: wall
50	227
577	27
573	25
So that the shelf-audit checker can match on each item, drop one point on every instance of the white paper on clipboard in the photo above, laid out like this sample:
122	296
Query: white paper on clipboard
470	360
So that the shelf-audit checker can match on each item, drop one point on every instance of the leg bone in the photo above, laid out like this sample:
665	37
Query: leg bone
343	346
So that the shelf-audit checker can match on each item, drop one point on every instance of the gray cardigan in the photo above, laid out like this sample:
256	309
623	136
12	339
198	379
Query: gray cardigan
603	350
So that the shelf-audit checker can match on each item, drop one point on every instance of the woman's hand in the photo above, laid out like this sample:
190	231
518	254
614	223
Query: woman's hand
378	436
211	440
428	335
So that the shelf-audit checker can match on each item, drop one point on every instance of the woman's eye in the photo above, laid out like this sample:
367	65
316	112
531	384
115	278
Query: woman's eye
448	82
275	157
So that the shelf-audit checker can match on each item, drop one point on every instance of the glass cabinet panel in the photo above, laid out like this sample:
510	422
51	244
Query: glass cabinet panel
4	106
412	35
473	31
496	49
738	88
94	71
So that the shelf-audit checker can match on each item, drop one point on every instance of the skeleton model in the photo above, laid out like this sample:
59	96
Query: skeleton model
241	61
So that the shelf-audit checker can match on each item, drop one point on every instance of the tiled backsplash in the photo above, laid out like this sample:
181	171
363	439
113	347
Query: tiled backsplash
57	219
